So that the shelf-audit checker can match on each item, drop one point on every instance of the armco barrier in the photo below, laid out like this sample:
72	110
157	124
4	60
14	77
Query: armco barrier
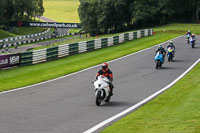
126	37
39	56
142	33
90	45
26	58
138	34
97	43
150	32
110	41
43	55
145	32
52	53
82	47
131	36
63	50
134	35
104	42
116	40
73	49
121	38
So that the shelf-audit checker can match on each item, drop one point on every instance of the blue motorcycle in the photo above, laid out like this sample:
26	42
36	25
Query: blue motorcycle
159	60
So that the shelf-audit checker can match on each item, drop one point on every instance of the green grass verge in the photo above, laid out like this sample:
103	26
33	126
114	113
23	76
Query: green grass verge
175	111
179	28
74	30
4	34
27	75
27	30
62	10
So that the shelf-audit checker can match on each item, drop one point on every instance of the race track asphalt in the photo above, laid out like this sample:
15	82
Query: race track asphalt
68	105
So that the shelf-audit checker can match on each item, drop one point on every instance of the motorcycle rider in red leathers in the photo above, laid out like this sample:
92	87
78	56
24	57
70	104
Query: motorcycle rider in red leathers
105	71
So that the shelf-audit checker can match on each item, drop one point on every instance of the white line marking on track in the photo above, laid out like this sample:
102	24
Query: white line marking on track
140	103
22	88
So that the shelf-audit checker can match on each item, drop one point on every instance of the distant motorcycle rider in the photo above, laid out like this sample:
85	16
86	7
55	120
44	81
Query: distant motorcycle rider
162	50
105	71
188	33
193	36
171	44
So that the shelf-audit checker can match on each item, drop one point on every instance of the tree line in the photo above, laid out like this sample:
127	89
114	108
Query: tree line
20	10
110	16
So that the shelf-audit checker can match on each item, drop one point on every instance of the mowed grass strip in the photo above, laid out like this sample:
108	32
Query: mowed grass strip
175	111
180	28
62	10
27	75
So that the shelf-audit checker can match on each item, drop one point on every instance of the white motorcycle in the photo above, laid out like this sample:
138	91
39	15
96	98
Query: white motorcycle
192	41
102	90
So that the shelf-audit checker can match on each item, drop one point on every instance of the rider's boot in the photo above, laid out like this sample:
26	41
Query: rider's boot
111	91
111	86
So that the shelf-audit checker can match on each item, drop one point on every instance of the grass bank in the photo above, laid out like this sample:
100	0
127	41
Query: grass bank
28	75
62	10
175	111
27	30
5	34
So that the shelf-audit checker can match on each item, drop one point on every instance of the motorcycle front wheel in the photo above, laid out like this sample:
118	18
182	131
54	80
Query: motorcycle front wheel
98	98
157	64
169	58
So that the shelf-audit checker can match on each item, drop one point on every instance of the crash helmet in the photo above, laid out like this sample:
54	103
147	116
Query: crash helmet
170	43
188	30
104	66
160	46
